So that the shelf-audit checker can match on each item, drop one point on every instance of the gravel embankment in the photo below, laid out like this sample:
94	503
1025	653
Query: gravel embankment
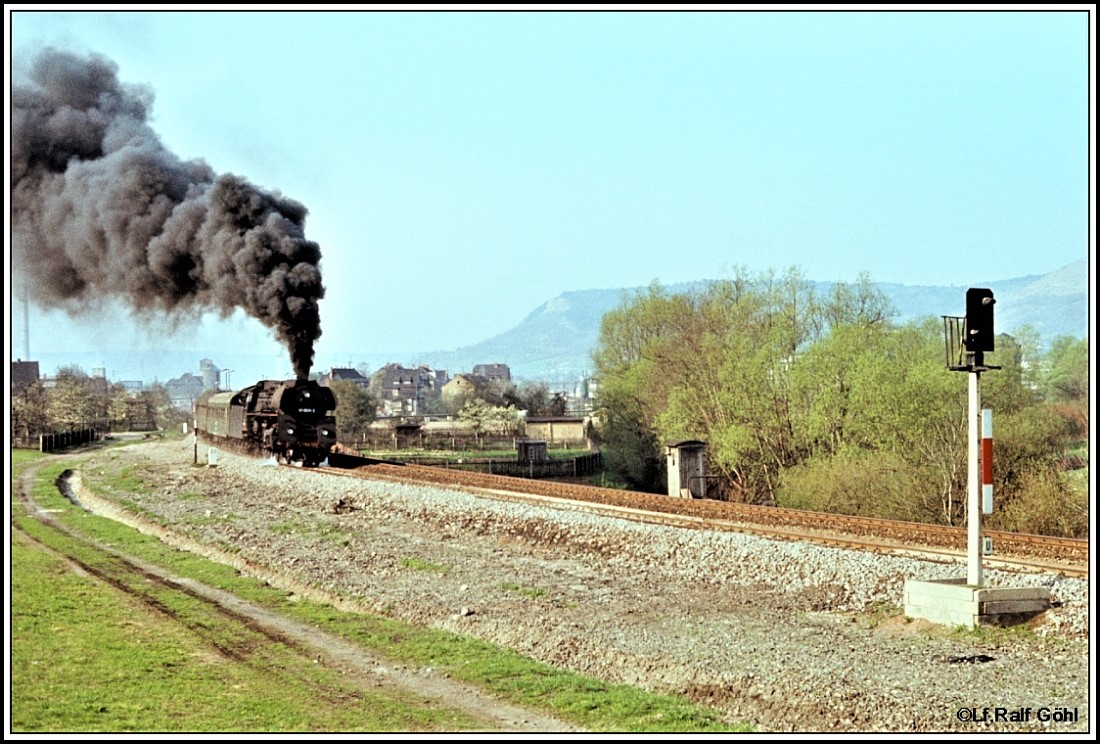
790	636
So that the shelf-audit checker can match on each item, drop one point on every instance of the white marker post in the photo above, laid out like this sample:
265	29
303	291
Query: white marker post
974	489
987	461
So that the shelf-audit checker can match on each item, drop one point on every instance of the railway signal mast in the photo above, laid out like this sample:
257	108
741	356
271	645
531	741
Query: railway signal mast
950	601
976	339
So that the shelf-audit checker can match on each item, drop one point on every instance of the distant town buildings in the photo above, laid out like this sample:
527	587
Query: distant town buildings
211	375
463	386
343	374
22	374
400	391
493	372
556	429
407	390
184	390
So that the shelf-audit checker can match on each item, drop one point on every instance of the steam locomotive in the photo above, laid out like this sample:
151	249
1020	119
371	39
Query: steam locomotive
291	420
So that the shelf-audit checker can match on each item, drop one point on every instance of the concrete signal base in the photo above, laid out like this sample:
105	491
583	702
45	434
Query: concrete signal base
954	602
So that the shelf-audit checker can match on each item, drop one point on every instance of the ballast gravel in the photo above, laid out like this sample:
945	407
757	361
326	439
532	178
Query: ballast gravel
789	636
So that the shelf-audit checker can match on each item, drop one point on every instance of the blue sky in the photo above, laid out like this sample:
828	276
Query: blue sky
460	168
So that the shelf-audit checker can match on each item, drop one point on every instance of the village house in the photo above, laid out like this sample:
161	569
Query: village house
463	386
407	390
343	374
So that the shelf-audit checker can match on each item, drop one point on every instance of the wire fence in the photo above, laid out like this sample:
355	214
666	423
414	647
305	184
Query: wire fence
448	441
59	440
573	467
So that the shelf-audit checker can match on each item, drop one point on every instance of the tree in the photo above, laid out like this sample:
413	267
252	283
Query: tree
631	451
119	408
156	403
557	405
906	404
76	400
30	415
533	397
355	409
1067	376
628	361
497	392
1066	382
483	417
714	364
810	399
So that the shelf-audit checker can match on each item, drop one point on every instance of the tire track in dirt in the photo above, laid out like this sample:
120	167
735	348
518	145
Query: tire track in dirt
357	665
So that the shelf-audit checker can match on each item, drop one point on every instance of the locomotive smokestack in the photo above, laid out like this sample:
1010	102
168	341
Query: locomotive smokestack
101	208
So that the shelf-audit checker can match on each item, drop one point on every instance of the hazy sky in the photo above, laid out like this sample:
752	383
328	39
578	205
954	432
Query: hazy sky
460	168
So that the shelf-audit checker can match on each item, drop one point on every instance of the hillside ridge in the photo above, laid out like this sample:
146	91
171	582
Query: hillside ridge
555	339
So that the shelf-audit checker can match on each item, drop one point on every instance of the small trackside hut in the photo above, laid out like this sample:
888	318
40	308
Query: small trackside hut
686	462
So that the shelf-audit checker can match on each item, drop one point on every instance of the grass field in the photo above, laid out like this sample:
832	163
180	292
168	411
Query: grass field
97	647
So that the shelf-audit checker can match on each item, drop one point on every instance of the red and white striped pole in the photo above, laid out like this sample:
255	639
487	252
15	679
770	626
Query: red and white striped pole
974	478
987	461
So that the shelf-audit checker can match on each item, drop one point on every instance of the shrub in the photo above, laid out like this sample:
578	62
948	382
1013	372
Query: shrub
1043	504
858	482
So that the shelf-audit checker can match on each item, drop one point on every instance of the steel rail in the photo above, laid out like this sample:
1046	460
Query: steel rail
878	535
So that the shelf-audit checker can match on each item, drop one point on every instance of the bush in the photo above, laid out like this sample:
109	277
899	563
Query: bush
1043	504
858	482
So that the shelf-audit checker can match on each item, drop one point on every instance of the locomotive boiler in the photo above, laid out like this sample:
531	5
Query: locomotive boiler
291	420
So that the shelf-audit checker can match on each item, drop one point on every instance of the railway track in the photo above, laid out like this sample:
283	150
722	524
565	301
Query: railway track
1065	556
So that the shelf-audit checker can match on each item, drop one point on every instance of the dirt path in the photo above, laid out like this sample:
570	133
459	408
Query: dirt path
356	665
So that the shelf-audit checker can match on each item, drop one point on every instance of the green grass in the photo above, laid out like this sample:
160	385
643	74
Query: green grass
418	564
876	614
997	634
526	591
125	481
87	657
591	703
1079	479
21	458
606	480
123	654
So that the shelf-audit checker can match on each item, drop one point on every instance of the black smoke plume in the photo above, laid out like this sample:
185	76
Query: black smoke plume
101	209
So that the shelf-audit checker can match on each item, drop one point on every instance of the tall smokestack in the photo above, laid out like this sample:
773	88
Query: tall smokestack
26	325
101	208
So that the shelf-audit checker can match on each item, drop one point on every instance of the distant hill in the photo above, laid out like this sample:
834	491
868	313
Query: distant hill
554	342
